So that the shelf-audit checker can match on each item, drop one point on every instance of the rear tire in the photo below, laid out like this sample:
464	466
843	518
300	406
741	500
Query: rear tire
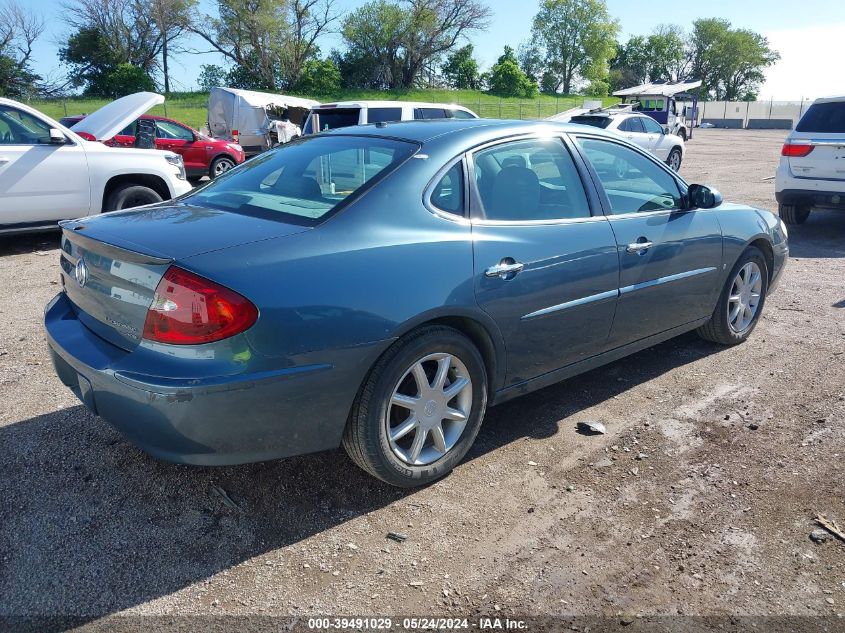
721	328
129	196
373	437
793	214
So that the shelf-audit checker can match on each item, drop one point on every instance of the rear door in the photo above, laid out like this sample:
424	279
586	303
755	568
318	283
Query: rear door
669	257
632	129
40	182
823	129
546	268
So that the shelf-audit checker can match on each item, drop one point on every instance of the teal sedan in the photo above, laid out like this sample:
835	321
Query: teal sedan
378	287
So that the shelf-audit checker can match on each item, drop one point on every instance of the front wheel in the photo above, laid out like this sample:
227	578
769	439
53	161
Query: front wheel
674	159
793	214
741	301
129	196
420	409
220	166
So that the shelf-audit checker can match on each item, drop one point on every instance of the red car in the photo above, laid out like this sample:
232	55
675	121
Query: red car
202	155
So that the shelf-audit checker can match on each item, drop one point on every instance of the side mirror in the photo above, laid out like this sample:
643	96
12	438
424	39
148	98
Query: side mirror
57	137
701	197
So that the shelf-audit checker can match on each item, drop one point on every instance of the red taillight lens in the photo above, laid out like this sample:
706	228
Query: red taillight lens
794	150
188	309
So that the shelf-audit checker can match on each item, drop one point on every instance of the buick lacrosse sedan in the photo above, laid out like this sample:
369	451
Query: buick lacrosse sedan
378	287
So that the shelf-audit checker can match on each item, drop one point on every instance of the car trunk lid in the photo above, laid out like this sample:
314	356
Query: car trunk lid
125	254
822	128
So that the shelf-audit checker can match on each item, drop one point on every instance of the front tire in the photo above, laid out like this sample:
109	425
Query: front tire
793	214
420	409
674	159
220	166
129	196
740	302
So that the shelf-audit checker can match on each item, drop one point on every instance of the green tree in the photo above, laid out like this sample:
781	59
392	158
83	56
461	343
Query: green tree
578	38
124	79
319	77
461	69
660	56
19	30
390	43
507	79
211	76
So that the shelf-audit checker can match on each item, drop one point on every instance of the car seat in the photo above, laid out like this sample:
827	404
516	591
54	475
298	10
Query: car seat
515	195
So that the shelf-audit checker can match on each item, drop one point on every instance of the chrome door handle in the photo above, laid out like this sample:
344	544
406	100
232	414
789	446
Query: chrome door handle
503	269
639	247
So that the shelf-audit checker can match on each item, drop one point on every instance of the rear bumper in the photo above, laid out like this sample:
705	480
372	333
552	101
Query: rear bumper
203	420
812	198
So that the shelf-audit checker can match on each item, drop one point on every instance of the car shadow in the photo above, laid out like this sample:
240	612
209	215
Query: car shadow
822	235
92	526
23	243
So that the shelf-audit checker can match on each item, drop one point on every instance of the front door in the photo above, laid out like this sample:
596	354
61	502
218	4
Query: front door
546	268
669	258
40	182
173	137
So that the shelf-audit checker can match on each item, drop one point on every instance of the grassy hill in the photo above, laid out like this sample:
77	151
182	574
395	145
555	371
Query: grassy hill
190	108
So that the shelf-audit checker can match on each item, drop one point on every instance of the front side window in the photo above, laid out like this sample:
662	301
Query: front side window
21	128
448	194
170	130
303	181
527	180
632	182
461	114
384	115
651	126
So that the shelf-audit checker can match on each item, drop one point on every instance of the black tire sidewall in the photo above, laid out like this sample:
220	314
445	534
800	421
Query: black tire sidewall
392	468
721	314
118	198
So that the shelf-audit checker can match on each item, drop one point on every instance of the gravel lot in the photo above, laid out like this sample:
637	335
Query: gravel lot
699	500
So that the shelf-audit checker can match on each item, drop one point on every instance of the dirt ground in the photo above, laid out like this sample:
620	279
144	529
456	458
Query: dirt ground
699	500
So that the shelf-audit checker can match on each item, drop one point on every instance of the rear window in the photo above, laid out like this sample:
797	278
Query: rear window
595	121
304	181
824	118
337	118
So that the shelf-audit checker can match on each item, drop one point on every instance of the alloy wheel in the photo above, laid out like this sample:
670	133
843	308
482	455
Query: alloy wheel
222	166
744	298
429	409
675	161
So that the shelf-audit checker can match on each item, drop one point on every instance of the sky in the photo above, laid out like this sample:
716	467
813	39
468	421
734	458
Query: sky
809	39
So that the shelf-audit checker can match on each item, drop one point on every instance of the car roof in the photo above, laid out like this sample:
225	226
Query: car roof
425	131
387	104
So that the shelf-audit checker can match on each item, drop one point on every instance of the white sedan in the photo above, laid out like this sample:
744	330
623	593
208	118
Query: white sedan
639	129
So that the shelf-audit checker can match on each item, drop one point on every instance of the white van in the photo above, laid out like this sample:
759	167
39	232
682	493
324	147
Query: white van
330	116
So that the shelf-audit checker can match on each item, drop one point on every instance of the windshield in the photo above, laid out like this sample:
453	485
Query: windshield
595	121
304	181
824	118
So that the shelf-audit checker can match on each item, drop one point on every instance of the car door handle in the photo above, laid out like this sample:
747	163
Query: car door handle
639	247
504	268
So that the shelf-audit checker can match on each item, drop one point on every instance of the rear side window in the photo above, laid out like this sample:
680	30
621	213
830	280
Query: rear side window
383	115
303	181
430	113
337	118
631	125
632	182
594	121
824	118
529	180
448	195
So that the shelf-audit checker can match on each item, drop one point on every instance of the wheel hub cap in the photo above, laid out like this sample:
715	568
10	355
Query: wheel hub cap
429	409
744	299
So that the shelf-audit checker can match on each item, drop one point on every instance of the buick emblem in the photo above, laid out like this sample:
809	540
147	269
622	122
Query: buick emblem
81	273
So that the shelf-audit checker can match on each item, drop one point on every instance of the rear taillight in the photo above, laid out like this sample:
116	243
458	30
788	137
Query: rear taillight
188	310
236	135
796	150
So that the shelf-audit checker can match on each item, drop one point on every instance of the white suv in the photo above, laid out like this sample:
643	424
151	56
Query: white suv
640	129
49	173
811	172
330	116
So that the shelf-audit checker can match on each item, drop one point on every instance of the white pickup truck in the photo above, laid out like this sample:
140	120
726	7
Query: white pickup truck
49	173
